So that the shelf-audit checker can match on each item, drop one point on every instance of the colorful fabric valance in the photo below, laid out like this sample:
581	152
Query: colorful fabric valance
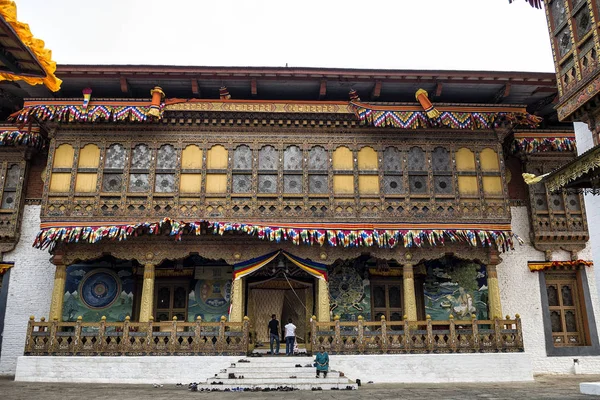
5	266
541	266
22	138
401	117
538	142
386	235
245	268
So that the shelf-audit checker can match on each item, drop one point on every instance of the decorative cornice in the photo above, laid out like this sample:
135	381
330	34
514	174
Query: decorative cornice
449	117
570	172
544	265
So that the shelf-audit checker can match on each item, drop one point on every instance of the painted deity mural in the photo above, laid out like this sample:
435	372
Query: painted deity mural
96	291
350	294
455	287
209	299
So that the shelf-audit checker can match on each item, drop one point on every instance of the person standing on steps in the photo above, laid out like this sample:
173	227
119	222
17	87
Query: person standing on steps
322	362
274	334
290	338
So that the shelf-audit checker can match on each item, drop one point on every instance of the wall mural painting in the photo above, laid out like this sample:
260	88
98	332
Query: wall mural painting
209	299
350	294
93	292
457	287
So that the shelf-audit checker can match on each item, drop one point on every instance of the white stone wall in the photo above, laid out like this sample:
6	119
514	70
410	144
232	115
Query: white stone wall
138	370
592	203
29	290
520	294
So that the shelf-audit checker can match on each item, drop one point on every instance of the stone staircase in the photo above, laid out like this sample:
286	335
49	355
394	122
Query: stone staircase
273	372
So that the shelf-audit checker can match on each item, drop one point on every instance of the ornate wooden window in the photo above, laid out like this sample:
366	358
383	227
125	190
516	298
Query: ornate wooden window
343	171
166	164
386	300
171	300
268	164
12	179
392	171
139	170
442	172
566	307
318	161
191	171
114	164
62	167
417	171
368	169
292	170
242	170
87	169
467	174
216	170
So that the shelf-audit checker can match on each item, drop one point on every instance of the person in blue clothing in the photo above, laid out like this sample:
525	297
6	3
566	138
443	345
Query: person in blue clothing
290	338
322	362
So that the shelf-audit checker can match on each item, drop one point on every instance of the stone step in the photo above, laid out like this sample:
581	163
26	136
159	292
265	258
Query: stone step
306	386
273	374
273	368
277	381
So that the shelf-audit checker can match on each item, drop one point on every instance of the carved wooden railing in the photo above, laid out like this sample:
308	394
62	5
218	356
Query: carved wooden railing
136	338
415	337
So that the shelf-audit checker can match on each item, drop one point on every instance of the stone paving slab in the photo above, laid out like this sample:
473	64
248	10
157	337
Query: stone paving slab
544	387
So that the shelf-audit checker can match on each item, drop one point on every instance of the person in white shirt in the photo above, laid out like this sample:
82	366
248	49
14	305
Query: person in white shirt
290	338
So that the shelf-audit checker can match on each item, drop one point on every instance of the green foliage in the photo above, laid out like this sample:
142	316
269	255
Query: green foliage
464	273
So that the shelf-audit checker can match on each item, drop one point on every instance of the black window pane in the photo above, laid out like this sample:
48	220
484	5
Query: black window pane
555	321
379	296
179	297
164	298
394	293
552	295
567	295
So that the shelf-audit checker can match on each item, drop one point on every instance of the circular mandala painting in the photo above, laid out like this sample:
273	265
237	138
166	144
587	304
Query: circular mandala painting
99	289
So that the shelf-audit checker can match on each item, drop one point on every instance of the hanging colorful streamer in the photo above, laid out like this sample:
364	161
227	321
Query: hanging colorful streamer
344	235
23	138
541	266
89	113
382	117
530	145
247	267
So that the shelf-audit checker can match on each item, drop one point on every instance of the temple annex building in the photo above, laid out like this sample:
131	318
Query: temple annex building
157	215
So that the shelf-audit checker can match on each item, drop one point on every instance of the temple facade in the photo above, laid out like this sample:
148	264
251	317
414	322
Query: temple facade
160	211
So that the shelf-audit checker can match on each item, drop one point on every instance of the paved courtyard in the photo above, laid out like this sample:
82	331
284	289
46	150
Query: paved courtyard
544	387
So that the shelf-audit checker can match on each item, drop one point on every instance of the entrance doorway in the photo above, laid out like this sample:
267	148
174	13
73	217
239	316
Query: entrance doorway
287	299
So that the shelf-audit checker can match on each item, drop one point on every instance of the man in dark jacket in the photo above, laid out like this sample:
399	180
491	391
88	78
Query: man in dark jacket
274	333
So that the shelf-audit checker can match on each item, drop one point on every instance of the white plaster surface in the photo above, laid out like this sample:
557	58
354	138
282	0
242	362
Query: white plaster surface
592	388
435	368
520	294
29	289
592	203
136	370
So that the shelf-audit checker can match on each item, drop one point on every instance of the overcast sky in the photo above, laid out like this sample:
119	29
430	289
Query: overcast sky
397	34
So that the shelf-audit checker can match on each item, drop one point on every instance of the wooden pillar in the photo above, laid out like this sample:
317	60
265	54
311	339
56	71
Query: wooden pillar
495	307
147	302
408	279
323	300
58	292
237	301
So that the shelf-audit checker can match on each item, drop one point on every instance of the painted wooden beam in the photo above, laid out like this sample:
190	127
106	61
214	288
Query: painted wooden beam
376	90
323	89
